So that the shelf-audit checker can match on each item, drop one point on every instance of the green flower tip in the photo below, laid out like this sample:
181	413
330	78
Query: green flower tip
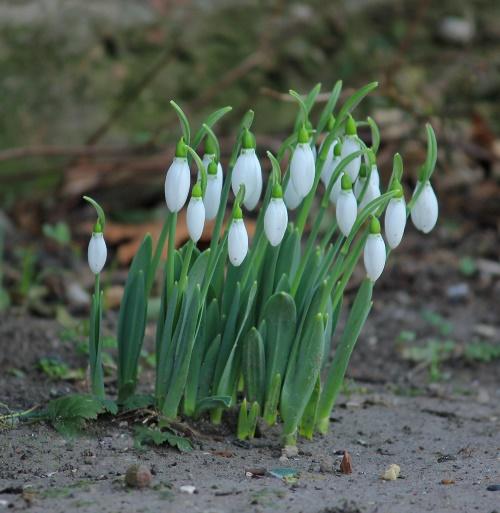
363	171
396	186
350	126
374	226
277	191
210	148
97	227
337	150
237	212
181	149
248	141
331	122
346	182
303	135
212	168
196	192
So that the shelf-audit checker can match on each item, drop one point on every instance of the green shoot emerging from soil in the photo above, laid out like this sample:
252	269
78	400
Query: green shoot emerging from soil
248	324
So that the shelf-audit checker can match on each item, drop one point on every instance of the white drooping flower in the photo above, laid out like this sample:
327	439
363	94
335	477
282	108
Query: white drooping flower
346	209
331	162
302	167
237	241
292	197
247	172
336	189
360	182
372	190
177	179
213	190
207	159
97	251
195	217
424	213
374	255
395	217
276	217
350	145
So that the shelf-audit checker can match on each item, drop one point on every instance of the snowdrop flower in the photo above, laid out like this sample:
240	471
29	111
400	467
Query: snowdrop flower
247	172
237	242
302	165
195	214
331	162
276	217
209	156
360	182
350	145
347	208
372	191
424	213
97	251
374	254
395	217
213	190
292	197
334	193
177	179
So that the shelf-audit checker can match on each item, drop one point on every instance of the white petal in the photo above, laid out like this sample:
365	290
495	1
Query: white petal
195	218
302	169
212	196
374	256
291	197
358	186
275	221
375	176
177	184
252	199
424	213
334	193
346	211
97	253
206	161
237	242
351	145
395	221
372	192
247	172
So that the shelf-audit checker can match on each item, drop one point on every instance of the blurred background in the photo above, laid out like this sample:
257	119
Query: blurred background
84	109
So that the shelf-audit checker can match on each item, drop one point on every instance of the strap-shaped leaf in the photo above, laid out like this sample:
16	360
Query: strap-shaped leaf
207	369
328	108
209	403
210	122
254	366
357	317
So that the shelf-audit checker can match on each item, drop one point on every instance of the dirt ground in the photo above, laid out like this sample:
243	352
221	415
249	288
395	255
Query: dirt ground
443	434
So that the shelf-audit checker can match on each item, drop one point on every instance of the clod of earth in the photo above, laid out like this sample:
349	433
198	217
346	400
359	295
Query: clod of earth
138	476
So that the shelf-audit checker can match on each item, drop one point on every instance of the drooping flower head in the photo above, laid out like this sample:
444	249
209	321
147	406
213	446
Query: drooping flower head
350	145
276	217
237	241
374	253
395	217
334	193
195	217
346	208
97	251
214	189
247	171
177	179
424	213
302	164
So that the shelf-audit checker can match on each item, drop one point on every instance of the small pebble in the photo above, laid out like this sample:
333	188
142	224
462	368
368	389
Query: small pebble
493	488
447	481
392	473
326	465
138	476
290	451
190	489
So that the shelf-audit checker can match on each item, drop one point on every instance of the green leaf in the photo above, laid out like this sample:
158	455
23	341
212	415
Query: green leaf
138	402
207	369
353	101
330	105
99	210
289	256
214	401
144	435
254	366
335	377
375	134
210	122
59	232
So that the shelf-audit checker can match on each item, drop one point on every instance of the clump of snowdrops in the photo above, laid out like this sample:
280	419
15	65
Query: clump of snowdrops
249	324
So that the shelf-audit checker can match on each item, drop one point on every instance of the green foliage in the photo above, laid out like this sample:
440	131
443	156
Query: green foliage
148	436
58	232
481	351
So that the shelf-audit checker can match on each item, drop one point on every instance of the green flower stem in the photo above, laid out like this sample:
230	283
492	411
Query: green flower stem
185	266
96	370
171	251
157	254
